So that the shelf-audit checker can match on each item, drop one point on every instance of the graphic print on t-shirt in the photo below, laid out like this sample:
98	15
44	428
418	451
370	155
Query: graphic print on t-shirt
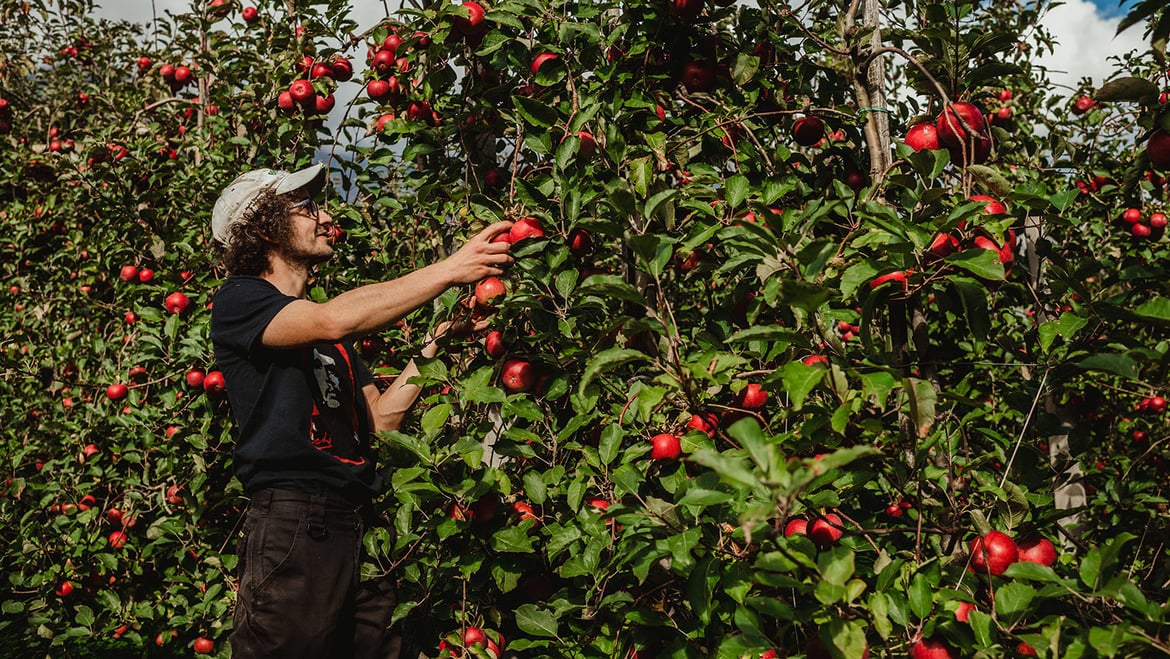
334	425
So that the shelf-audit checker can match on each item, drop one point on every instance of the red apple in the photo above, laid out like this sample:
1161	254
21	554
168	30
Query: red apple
943	245
1132	216
1140	230
540	60
116	539
993	553
488	289
898	276
473	24
665	446
1037	549
302	91
213	383
796	526
525	227
686	8
64	589
930	649
177	302
1157	221
324	103
378	89
321	70
195	378
203	645
959	123
342	69
383	61
704	422
994	206
493	344
807	131
250	15
698	76
588	144
117	391
1083	104
380	125
285	102
145	275
518	375
963	612
826	530
752	397
143	63
128	273
1158	149
182	74
580	242
391	42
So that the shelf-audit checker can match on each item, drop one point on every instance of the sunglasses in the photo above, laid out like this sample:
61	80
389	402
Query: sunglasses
310	206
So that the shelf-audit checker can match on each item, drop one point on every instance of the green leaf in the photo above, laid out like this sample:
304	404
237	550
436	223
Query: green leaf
513	539
836	565
922	402
983	263
1013	599
800	379
773	334
973	295
607	360
535	113
1155	309
737	190
611	286
535	621
1115	363
435	418
1066	326
921	596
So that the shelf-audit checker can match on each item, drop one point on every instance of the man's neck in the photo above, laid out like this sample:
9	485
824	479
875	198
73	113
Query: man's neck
288	278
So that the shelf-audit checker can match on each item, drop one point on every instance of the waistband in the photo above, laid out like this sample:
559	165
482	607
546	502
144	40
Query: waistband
265	497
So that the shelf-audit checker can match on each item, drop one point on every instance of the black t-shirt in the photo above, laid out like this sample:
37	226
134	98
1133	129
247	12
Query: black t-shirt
301	414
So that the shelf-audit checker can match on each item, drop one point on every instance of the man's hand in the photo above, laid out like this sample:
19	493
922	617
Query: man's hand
479	257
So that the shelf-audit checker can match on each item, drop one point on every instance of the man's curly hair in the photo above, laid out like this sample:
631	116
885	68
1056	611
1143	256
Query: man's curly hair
263	229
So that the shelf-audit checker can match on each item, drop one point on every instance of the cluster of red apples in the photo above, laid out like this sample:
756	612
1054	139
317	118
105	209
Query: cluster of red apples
303	95
960	129
1151	227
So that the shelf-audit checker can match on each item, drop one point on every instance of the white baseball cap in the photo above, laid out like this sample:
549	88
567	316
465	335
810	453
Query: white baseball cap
238	196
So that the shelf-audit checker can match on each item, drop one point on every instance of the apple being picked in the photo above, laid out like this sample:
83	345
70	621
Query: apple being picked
488	289
525	227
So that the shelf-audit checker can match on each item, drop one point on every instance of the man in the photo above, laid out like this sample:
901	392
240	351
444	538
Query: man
306	407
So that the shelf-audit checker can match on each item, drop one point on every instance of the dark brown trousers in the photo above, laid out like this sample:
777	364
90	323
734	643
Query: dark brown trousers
300	591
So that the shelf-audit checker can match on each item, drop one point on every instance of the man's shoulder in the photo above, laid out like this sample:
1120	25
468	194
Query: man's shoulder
244	287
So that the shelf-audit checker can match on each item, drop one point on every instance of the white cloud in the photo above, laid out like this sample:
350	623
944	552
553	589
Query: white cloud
1085	42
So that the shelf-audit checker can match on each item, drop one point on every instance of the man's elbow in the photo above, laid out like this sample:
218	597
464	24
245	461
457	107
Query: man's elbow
388	422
